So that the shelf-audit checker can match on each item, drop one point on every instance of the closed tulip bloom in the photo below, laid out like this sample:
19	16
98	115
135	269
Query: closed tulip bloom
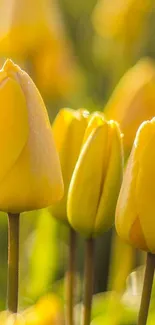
133	100
30	174
136	205
114	20
24	25
68	131
96	178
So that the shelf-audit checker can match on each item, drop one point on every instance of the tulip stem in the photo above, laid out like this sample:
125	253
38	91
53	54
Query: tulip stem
147	288
88	280
13	262
70	288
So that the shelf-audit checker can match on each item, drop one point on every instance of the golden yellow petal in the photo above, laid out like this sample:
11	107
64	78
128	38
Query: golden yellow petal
126	209
145	188
68	129
112	181
14	126
85	187
136	236
96	119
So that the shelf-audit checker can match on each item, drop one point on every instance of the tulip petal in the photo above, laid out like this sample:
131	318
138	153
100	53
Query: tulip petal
85	187
111	185
96	119
137	236
68	130
145	188
14	124
60	126
126	209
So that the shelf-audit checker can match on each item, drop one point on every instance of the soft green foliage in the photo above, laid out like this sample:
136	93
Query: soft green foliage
44	255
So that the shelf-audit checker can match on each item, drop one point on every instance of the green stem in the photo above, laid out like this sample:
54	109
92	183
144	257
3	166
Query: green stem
13	262
70	288
88	280
147	288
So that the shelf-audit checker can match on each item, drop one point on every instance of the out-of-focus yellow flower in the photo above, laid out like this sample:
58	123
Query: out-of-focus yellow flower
68	131
114	19
48	311
96	178
133	100
7	318
55	71
30	174
24	25
136	205
4	315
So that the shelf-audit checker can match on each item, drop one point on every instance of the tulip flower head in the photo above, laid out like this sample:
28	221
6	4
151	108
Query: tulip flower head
133	100
113	20
136	205
68	131
30	174
24	25
96	178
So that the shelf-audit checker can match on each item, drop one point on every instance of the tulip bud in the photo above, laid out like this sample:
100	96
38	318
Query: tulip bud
136	205
133	100
30	175
68	130
96	178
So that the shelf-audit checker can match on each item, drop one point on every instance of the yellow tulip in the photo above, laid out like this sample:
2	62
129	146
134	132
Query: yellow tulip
115	19
55	70
68	131
136	204
30	174
96	178
47	311
7	318
24	25
133	100
4	315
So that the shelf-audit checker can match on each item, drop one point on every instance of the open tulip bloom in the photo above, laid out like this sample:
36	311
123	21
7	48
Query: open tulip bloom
30	174
136	204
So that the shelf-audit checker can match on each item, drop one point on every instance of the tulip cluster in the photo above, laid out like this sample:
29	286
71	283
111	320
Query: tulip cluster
97	178
85	152
91	157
